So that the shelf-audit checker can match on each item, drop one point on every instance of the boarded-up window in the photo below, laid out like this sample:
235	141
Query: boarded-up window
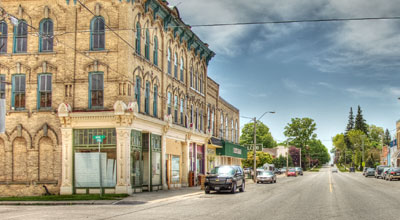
46	162
2	161
20	160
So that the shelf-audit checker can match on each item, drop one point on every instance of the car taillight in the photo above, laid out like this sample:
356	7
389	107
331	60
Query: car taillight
391	172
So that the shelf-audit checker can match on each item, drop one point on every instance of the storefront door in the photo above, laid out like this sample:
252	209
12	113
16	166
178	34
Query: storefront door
136	159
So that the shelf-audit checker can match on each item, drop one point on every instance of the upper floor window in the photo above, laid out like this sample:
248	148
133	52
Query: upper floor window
197	118
97	31
137	42
182	65
96	89
20	37
221	128
201	83
44	91
169	61
169	103
212	122
147	99
46	36
18	92
155	53
196	83
182	106
155	98
3	37
176	104
226	128
191	115
201	120
2	86
191	77
147	46
137	91
176	66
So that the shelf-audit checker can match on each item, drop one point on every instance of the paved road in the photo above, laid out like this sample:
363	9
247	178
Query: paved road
319	196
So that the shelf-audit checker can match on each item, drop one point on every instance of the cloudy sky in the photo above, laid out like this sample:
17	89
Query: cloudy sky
316	70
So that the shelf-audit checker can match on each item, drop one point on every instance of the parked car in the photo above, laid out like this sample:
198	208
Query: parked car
365	170
292	172
283	170
225	178
379	170
334	170
277	171
385	172
369	172
394	173
266	176
299	171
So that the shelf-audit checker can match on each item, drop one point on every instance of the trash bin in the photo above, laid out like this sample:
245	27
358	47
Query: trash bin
201	178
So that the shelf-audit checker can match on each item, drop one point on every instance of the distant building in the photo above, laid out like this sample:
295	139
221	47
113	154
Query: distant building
276	151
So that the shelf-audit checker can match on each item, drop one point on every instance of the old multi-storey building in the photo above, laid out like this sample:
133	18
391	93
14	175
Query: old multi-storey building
128	70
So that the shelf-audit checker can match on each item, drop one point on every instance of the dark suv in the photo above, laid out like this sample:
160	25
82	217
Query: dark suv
225	178
379	170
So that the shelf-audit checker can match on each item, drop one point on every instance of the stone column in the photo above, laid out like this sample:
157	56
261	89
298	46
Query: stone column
66	162
123	161
163	161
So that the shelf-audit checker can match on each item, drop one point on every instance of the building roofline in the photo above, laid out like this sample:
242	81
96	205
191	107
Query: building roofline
229	104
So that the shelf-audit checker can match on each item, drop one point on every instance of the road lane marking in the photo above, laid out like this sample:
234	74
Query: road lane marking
330	181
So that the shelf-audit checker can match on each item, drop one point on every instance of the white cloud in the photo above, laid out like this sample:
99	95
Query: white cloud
294	87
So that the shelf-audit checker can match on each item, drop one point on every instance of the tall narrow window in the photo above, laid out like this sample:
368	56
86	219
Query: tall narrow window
20	37
44	91
3	37
197	118
208	118
155	52
196	83
2	86
201	120
169	61
96	93
137	42
18	92
176	104
97	30
212	122
191	115
176	66
155	98
147	46
201	83
182	106
147	99
226	128
46	36
137	91
169	103
191	77
221	127
182	66
232	131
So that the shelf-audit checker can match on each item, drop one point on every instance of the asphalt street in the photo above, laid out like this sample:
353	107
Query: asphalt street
316	195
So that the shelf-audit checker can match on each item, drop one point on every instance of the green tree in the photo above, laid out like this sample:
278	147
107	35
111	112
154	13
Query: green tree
376	135
263	135
386	139
261	159
360	122
349	127
319	151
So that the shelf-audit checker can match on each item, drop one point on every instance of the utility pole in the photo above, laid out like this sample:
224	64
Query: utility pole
363	155
254	150
300	157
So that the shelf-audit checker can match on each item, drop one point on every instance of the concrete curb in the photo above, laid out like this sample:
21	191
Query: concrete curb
54	203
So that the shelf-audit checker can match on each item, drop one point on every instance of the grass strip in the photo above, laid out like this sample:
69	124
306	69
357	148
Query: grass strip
66	197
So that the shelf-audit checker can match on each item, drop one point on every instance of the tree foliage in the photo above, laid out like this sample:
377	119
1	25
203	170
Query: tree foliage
263	135
280	161
261	159
360	123
300	131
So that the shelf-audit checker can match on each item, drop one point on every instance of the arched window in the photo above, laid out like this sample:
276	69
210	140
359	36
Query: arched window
232	131
182	106
20	37
212	122
3	37
182	65
97	34
169	61
137	91
169	103
201	83
147	46
176	66
236	132
226	128
147	98
191	77
201	118
221	127
155	52
197	118
176	104
137	42
155	114
46	36
196	78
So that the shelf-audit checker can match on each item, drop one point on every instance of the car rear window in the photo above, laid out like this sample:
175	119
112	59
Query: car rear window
396	170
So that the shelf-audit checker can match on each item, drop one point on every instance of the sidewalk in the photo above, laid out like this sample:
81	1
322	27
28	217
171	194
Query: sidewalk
82	202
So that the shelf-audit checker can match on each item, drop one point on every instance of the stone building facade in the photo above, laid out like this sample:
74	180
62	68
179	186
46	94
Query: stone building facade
129	70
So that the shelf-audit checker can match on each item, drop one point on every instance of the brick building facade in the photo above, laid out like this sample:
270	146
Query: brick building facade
129	70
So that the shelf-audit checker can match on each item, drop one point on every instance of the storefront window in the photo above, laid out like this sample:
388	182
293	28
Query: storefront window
191	157
136	159
156	159
175	169
200	159
87	158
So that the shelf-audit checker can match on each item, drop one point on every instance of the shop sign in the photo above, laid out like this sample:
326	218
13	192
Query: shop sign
237	151
211	151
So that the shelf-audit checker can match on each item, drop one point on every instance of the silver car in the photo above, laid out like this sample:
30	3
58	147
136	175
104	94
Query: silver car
266	177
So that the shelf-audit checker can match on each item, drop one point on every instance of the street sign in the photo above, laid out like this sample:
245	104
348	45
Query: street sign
99	138
250	147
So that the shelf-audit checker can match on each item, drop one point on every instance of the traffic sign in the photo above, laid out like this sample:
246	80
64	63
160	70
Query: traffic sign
99	138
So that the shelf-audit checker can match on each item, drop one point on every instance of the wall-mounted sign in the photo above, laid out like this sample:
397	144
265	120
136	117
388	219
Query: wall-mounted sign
237	151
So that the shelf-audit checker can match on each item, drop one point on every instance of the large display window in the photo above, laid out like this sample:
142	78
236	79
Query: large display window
136	159
87	159
175	162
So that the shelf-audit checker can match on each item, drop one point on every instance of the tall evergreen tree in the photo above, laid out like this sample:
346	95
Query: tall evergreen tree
360	122
350	124
386	137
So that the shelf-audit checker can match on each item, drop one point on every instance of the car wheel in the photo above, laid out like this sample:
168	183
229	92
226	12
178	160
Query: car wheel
233	188
207	191
390	179
275	181
242	187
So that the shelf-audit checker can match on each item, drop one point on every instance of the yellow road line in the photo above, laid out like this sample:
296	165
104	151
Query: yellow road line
330	182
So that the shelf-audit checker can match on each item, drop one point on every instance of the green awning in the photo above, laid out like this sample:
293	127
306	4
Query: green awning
232	150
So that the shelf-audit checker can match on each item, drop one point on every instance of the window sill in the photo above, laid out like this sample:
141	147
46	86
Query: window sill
194	90
97	51
18	111
44	110
146	60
